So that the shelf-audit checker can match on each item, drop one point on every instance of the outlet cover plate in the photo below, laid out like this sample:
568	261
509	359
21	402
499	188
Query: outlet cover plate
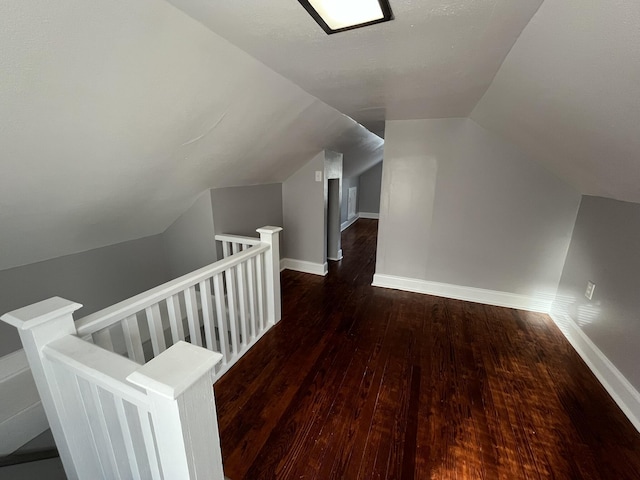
590	289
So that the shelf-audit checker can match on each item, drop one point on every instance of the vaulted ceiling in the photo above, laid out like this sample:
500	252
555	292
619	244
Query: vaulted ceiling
568	92
115	115
435	59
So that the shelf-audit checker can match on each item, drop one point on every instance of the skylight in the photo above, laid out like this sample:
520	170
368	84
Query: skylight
340	15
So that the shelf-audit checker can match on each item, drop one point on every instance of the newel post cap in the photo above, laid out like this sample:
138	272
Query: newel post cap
269	230
36	314
172	372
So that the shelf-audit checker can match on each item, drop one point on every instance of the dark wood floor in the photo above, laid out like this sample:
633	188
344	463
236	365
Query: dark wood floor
362	382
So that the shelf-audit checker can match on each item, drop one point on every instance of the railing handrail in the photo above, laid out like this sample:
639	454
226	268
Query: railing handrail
106	369
111	315
227	237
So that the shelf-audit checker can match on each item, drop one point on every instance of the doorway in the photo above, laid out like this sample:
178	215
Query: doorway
334	247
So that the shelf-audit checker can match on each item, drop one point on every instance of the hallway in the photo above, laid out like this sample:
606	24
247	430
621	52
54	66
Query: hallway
363	382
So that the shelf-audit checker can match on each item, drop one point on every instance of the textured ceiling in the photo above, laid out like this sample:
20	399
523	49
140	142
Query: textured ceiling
117	114
436	59
569	94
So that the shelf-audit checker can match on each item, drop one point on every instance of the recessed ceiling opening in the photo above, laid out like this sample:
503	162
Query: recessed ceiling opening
340	15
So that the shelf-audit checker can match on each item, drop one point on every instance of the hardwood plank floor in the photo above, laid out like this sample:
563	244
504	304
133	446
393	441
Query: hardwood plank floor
358	382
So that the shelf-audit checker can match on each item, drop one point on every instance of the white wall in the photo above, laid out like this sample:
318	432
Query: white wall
190	240
96	278
605	250
332	204
303	204
241	210
347	183
116	115
370	183
462	207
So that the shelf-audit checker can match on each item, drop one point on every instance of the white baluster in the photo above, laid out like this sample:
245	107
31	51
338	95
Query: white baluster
242	304
261	292
191	304
175	318
223	331
271	236
38	325
251	280
132	339
178	385
233	318
103	339
155	329
127	432
207	315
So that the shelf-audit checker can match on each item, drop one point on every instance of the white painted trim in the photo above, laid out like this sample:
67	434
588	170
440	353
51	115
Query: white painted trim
29	419
346	224
305	267
538	303
22	428
340	257
620	389
13	364
373	216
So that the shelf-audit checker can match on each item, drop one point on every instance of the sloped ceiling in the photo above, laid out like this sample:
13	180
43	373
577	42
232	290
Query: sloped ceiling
436	59
569	94
116	114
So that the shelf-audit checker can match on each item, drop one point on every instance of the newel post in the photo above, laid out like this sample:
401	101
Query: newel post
271	235
38	325
179	385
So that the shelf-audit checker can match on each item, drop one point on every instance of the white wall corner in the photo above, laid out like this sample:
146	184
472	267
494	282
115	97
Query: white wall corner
22	416
373	216
346	224
340	256
620	389
305	267
536	303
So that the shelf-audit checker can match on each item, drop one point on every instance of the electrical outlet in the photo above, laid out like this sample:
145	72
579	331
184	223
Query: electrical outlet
590	288
318	175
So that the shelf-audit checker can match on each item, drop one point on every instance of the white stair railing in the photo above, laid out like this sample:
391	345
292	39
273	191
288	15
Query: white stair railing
151	415
113	418
225	307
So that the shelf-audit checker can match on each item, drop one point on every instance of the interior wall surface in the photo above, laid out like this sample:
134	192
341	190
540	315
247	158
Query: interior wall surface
347	183
369	192
462	206
190	240
241	210
604	250
96	279
304	214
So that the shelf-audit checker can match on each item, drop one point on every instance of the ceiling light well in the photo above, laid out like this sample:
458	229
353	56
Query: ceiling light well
340	15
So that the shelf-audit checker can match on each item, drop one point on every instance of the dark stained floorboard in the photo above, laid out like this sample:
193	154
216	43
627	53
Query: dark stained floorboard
358	382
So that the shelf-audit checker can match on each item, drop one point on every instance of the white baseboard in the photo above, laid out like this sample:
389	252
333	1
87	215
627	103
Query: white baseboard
22	417
340	257
373	216
538	303
348	223
305	267
620	389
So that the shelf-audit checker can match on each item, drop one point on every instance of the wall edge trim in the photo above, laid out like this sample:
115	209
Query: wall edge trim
536	303
615	383
304	266
346	224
